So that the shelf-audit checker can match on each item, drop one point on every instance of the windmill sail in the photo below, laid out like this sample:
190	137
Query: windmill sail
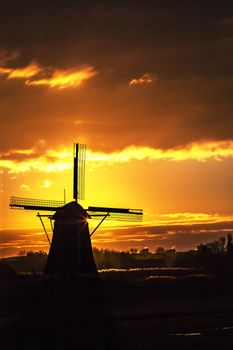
117	214
35	204
79	171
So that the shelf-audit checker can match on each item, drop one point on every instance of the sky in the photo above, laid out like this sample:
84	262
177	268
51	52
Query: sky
147	86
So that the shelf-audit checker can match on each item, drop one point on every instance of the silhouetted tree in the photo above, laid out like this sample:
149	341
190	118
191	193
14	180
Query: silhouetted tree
229	245
22	253
160	250
229	250
133	251
186	259
36	261
145	253
212	256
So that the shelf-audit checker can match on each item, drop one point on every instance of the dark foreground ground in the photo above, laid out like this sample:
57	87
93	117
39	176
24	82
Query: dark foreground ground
114	312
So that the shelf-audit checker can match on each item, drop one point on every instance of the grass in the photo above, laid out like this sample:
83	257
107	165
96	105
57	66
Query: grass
118	310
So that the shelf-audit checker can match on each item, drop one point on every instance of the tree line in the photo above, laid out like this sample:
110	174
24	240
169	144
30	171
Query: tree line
215	256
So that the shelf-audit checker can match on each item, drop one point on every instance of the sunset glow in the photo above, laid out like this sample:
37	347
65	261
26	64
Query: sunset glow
152	104
60	160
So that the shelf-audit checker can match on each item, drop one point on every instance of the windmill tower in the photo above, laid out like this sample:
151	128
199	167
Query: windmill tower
70	250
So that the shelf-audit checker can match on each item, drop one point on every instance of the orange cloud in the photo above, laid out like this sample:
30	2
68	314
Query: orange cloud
186	219
25	187
33	74
20	161
23	73
145	79
65	78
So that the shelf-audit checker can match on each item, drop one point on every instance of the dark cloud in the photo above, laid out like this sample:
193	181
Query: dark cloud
183	237
19	157
14	240
187	45
178	228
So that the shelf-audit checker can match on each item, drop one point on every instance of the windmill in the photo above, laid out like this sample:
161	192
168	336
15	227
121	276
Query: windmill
70	249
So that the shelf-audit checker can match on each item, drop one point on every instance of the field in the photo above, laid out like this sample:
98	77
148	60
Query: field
136	309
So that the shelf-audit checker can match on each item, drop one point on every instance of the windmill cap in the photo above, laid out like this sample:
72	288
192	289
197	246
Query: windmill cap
70	211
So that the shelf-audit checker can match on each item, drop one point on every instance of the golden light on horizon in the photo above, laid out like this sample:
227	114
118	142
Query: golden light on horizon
153	107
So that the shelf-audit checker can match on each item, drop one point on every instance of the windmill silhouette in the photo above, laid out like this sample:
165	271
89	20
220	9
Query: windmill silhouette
70	250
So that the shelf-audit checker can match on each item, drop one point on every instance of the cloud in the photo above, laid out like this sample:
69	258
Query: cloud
14	240
192	59
25	187
183	236
5	56
21	73
189	218
200	152
53	160
63	79
145	79
34	74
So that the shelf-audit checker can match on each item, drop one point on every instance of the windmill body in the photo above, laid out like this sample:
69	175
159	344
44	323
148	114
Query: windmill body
71	250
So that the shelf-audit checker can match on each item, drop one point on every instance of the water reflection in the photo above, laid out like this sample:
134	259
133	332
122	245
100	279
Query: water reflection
193	334
155	269
153	273
160	277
